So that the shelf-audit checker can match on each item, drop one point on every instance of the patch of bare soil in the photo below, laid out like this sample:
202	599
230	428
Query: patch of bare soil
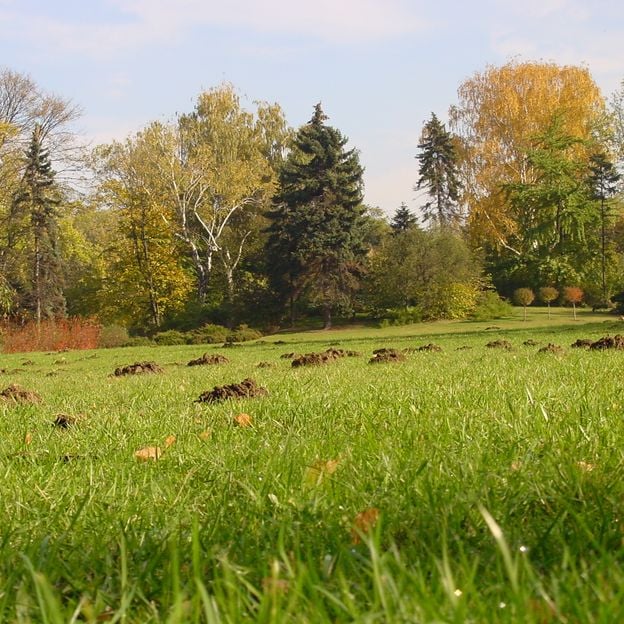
280	342
463	348
313	359
64	421
17	394
582	343
138	369
431	347
246	389
290	356
209	359
530	343
383	356
231	345
492	327
385	350
500	344
609	342
552	348
28	363
264	365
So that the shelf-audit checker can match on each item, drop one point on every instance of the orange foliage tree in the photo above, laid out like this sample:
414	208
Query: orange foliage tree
573	295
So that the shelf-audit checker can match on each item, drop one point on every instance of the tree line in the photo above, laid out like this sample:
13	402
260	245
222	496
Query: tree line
230	216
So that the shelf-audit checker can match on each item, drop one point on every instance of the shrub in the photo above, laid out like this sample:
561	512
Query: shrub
573	295
243	333
402	316
139	341
52	335
449	301
548	294
210	334
113	336
524	297
491	306
171	337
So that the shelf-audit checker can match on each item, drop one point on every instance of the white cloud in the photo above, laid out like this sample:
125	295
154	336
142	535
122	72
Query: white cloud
163	21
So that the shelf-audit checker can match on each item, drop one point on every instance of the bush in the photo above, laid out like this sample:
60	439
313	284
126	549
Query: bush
139	341
490	306
113	336
243	333
208	334
52	335
171	337
402	316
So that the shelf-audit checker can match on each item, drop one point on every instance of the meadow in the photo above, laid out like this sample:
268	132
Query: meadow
473	484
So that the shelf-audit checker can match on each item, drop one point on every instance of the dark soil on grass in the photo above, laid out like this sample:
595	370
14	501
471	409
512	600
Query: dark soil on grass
208	359
64	421
582	343
530	343
552	348
314	359
138	368
384	356
609	342
434	348
290	356
16	394
246	389
500	344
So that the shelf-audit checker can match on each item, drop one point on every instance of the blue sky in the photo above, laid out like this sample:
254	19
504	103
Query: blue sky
380	67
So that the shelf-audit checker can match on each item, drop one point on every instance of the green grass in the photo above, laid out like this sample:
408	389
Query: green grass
498	477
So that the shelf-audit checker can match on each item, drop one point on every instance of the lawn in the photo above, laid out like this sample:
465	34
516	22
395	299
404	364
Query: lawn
473	484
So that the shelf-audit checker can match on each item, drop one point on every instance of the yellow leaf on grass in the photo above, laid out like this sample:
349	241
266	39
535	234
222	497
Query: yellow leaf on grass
28	438
364	522
320	469
148	453
243	420
169	440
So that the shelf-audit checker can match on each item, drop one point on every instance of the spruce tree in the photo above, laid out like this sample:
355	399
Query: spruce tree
438	173
603	182
403	219
315	238
38	197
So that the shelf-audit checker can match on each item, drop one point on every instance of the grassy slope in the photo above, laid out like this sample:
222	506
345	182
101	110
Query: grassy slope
216	529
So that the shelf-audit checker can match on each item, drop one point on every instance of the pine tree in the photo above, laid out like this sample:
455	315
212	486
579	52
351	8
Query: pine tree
315	237
438	173
403	219
603	184
38	197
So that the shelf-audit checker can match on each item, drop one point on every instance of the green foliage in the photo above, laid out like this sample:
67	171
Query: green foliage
113	336
139	341
403	219
523	296
208	334
402	316
170	337
548	294
243	333
490	306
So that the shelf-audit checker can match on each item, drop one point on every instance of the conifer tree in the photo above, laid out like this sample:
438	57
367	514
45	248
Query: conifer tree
38	198
403	219
315	238
438	173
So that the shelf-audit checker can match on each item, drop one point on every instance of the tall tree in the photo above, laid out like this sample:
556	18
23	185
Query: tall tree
316	231
439	174
500	111
603	184
403	219
39	198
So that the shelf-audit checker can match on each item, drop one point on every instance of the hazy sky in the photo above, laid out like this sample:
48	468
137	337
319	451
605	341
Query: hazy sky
380	67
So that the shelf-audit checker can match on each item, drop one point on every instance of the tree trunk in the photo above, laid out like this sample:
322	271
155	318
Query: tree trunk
37	276
327	319
574	309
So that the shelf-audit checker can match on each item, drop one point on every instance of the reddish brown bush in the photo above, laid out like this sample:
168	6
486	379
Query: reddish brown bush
54	335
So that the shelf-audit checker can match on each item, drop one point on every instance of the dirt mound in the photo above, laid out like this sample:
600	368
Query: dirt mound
64	421
530	343
582	343
28	363
463	348
313	359
431	347
609	342
385	350
290	356
280	342
231	345
552	348
499	344
383	356
17	394
138	369
264	365
209	359
246	389
492	328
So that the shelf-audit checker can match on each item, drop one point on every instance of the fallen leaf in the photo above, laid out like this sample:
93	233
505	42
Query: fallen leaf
169	440
364	523
28	438
148	453
320	469
205	435
585	466
243	420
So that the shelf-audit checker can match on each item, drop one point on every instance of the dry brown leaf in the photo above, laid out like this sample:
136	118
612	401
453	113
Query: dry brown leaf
205	435
243	420
585	466
148	453
170	440
320	469
364	522
28	438
272	585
